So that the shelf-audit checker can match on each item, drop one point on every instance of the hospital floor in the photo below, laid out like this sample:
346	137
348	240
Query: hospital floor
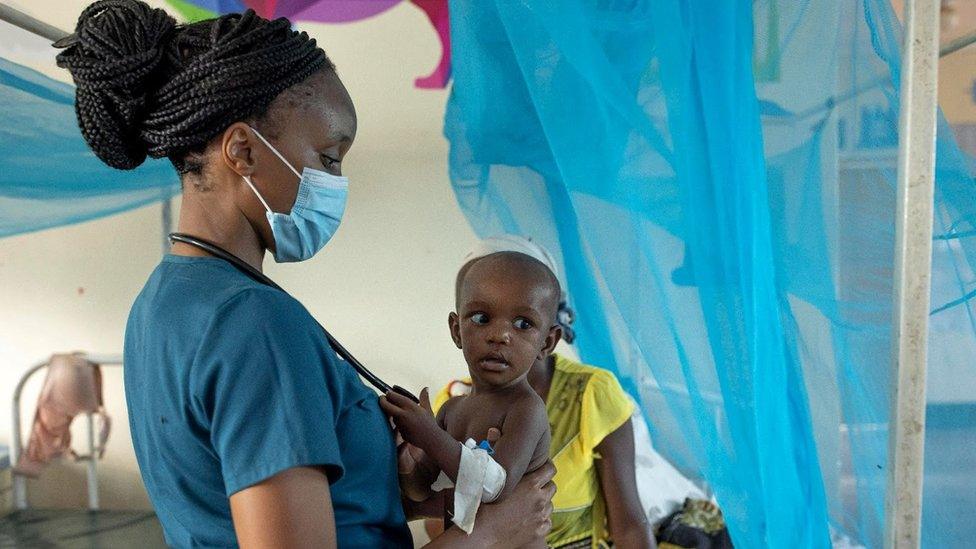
80	529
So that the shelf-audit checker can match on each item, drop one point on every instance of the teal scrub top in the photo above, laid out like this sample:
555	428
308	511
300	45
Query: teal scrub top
229	382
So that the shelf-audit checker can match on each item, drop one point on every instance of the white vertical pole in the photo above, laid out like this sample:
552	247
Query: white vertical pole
19	482
913	265
92	465
16	439
166	221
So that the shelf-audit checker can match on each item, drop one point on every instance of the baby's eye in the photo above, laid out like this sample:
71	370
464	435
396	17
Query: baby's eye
522	324
479	318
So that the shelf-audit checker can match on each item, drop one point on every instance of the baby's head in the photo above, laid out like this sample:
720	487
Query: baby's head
506	316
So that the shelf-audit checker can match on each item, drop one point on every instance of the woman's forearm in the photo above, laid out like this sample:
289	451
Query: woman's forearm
454	537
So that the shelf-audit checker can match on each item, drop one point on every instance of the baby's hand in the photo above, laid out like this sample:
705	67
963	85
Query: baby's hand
415	422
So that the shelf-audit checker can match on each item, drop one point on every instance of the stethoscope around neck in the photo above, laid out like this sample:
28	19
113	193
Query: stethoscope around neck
261	278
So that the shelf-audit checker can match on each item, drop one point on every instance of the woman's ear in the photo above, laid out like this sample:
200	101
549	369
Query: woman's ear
455	324
552	339
236	148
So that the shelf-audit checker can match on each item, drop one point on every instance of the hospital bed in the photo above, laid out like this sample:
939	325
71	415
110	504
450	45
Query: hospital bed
25	527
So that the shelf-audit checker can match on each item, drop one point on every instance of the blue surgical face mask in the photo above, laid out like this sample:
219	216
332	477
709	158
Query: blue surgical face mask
313	219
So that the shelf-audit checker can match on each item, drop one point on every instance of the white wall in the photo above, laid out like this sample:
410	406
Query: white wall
383	286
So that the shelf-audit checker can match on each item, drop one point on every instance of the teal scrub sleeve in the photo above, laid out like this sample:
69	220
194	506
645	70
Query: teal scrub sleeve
267	389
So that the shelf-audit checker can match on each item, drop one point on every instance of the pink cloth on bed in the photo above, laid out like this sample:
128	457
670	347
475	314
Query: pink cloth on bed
73	386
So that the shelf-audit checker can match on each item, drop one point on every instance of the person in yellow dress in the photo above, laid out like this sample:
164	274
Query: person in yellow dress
592	446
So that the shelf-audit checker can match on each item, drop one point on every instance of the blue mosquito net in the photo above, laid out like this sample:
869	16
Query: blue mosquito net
48	176
718	182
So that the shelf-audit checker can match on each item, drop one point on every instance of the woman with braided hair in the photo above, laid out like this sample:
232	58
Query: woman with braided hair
247	428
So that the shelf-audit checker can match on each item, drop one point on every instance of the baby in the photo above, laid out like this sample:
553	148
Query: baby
506	318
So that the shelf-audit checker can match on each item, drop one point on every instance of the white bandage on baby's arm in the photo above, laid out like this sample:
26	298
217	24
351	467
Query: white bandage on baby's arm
480	478
495	475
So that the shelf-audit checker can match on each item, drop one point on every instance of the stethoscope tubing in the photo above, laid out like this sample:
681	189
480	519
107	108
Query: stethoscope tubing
262	278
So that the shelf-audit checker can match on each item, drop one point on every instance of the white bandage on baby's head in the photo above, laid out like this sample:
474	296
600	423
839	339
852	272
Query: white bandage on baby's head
480	478
511	243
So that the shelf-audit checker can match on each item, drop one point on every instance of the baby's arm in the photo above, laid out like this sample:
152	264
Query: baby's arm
417	470
418	427
524	428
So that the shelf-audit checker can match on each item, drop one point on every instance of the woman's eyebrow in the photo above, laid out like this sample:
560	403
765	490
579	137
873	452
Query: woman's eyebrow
329	139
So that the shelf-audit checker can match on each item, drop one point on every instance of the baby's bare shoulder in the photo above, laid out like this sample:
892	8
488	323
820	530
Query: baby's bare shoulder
452	405
530	400
528	405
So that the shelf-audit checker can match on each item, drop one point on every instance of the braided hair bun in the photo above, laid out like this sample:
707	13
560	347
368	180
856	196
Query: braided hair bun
115	62
147	86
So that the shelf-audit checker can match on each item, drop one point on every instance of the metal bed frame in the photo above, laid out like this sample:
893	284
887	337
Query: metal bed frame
19	482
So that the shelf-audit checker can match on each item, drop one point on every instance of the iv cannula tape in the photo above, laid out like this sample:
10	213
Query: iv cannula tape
261	278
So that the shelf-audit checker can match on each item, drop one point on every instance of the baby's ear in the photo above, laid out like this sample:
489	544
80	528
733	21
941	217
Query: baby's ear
552	338
454	324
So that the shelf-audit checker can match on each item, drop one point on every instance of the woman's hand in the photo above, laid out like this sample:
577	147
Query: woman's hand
524	517
416	473
408	457
521	519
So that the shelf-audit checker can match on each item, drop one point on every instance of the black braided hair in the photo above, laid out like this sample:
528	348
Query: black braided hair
148	86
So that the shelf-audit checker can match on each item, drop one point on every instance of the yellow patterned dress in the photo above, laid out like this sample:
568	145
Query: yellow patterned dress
585	404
